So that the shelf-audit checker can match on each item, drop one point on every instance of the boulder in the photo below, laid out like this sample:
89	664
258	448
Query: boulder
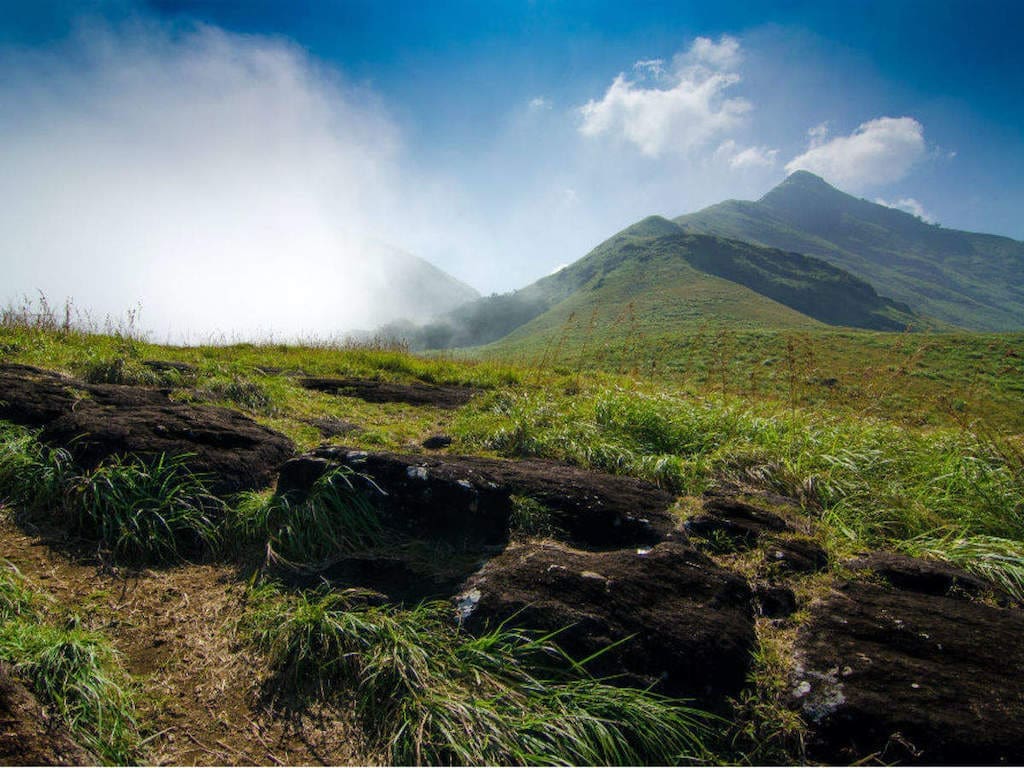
668	615
27	737
377	391
468	496
97	421
930	577
906	675
795	555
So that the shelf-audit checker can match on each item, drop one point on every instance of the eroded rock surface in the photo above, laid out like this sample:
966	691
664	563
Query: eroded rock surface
676	620
907	675
376	391
26	735
470	496
97	421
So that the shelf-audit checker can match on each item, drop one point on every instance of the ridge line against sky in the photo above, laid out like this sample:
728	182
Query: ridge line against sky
496	140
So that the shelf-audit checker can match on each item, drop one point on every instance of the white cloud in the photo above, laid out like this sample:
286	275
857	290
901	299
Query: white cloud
225	181
746	157
652	68
538	103
725	54
817	134
909	205
688	110
879	152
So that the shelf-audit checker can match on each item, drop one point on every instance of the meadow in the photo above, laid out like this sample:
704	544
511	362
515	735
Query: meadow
904	442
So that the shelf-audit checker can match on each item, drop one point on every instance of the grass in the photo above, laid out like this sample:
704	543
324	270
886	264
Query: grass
74	673
141	510
153	510
308	530
872	483
429	694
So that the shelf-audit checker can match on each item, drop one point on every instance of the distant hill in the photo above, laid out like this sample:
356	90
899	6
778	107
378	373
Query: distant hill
970	280
412	288
654	277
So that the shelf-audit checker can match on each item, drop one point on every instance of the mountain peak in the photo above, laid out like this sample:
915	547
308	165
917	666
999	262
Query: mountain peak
800	183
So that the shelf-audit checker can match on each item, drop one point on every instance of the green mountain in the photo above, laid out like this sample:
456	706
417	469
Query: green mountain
655	278
971	280
412	288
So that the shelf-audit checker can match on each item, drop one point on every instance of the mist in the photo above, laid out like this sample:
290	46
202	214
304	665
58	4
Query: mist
224	182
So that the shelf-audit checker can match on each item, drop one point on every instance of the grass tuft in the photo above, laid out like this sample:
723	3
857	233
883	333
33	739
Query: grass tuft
146	511
430	694
73	672
308	530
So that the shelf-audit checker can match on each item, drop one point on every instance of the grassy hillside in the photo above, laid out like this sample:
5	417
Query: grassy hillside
191	662
659	277
970	280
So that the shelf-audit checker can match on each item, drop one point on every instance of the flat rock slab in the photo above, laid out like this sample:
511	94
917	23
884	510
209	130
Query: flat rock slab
911	574
680	622
467	496
97	421
26	735
376	391
908	676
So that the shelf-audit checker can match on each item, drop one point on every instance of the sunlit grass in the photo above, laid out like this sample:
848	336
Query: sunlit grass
429	694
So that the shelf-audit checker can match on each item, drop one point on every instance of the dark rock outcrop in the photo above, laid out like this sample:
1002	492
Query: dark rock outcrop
26	735
376	391
795	555
97	421
907	675
739	521
930	577
471	497
666	616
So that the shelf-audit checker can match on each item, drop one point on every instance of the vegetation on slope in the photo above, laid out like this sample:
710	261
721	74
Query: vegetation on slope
970	280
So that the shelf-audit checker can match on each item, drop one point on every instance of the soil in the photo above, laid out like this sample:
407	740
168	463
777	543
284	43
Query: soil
202	688
377	391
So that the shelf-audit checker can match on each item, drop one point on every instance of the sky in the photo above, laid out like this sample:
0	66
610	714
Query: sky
233	166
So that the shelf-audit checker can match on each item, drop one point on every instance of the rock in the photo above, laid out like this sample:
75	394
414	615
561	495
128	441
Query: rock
97	421
795	555
930	577
741	522
773	601
376	391
27	737
896	675
437	442
331	427
676	620
163	366
467	496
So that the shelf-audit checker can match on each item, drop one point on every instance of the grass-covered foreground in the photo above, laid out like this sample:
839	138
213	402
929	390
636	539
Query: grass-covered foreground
418	688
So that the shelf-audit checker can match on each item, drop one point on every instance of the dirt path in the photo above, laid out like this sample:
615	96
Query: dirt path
200	702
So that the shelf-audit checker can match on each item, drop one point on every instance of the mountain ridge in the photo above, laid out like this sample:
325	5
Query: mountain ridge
969	279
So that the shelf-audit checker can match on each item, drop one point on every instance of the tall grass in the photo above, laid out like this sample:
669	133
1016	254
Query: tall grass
311	529
74	673
146	510
429	694
141	510
874	483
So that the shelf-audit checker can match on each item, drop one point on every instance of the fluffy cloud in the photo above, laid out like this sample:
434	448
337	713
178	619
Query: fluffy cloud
879	152
909	205
746	157
675	112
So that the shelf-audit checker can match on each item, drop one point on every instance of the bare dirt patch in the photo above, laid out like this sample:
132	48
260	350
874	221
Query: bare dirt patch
199	688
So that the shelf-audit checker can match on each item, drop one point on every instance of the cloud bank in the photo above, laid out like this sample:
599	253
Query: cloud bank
224	181
878	152
909	205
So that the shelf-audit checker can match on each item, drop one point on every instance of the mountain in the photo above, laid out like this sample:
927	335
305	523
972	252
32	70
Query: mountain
971	280
654	277
411	288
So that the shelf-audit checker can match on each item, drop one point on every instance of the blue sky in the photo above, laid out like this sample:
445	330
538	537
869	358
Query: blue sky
500	140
